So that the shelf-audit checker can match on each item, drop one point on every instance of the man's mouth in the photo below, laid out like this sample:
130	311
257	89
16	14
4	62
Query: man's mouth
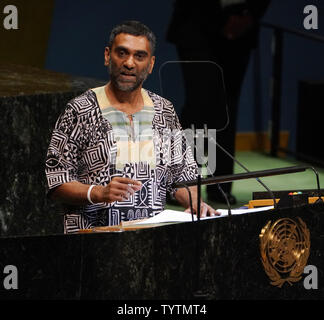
128	74
127	77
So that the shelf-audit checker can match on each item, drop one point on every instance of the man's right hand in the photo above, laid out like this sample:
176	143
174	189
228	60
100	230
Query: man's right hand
118	189
75	193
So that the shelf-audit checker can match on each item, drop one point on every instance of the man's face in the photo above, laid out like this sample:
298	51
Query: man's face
129	61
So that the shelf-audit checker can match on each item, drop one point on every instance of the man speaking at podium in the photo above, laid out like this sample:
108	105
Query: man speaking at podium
116	150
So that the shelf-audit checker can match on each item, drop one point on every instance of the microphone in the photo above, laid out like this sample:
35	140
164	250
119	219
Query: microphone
283	170
319	200
241	165
226	199
245	175
248	174
212	180
247	170
190	200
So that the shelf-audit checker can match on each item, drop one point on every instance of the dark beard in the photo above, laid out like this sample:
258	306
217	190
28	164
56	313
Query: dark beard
126	86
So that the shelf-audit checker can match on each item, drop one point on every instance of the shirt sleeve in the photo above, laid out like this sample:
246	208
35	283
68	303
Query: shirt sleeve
61	159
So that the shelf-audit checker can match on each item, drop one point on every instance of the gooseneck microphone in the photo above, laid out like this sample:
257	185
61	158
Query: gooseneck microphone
247	170
241	165
190	199
226	199
275	171
247	175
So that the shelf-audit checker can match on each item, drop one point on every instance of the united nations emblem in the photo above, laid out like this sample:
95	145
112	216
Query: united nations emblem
284	247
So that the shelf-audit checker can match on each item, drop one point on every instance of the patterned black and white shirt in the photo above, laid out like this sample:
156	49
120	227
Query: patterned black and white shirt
83	148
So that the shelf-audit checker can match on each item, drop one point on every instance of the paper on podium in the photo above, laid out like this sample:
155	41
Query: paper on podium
167	217
173	216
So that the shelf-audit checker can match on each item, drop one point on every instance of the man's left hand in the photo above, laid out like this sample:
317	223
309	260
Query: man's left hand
205	210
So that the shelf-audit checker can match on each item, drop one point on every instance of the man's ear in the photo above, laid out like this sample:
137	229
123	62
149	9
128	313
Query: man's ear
152	64
107	56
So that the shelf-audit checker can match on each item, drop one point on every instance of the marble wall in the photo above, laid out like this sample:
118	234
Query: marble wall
25	129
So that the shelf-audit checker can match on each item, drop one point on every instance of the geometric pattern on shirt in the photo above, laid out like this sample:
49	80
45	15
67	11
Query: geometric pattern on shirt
83	148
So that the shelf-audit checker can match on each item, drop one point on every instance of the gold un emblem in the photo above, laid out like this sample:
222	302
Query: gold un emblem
284	247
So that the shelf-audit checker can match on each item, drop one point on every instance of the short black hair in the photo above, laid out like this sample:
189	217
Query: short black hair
135	28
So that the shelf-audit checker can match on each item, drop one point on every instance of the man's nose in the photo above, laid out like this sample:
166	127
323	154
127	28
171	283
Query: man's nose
129	63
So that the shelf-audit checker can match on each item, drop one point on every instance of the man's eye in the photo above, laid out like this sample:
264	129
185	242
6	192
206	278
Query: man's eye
122	53
140	56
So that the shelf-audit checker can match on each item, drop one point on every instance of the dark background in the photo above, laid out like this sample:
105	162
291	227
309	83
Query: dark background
69	37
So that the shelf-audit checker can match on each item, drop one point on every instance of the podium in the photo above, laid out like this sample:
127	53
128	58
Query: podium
222	258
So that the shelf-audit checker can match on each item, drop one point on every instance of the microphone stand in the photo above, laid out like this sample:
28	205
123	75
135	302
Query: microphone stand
247	170
198	195
190	200
319	200
227	202
242	176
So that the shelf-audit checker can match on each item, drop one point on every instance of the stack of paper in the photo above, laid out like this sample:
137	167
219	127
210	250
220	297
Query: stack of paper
172	216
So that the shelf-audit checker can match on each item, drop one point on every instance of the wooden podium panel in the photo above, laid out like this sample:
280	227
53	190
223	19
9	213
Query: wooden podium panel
221	258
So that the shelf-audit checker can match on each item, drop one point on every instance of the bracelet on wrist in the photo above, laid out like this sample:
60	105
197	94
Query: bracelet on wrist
89	192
